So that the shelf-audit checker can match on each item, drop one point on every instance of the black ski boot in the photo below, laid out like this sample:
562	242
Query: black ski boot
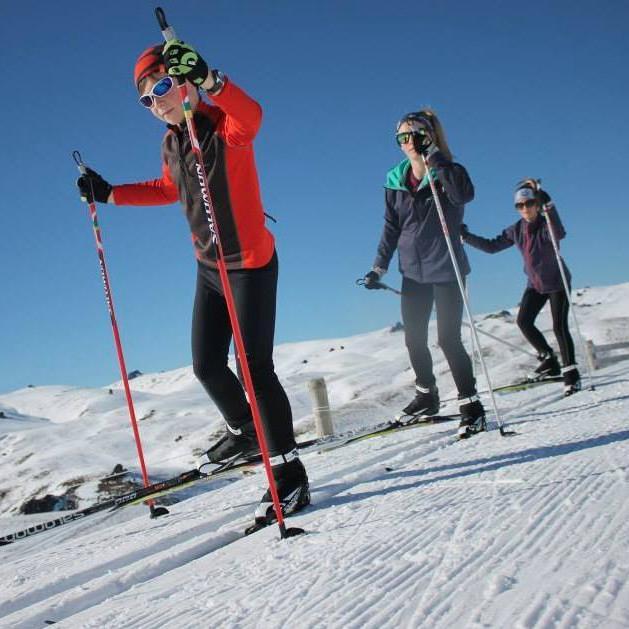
571	380
548	365
241	441
426	402
292	487
472	417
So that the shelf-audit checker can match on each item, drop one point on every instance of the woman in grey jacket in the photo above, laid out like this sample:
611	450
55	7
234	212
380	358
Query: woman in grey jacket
531	236
411	225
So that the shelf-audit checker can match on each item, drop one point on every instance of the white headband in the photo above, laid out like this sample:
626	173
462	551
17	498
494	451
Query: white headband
524	194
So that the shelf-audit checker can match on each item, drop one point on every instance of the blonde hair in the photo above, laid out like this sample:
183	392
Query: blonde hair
442	143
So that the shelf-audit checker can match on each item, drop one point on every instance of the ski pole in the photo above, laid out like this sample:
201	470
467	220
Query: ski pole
507	343
169	33
155	511
467	295
381	285
566	287
459	279
361	282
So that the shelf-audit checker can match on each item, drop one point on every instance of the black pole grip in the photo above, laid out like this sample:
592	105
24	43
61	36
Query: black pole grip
161	18
168	32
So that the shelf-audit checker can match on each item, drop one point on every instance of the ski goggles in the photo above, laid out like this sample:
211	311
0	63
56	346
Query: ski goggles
530	203
161	88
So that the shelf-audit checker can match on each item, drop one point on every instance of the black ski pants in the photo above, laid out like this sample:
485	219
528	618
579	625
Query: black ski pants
255	293
417	303
530	306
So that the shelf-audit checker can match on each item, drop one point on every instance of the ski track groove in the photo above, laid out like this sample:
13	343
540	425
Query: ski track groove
98	586
36	595
43	597
435	578
414	620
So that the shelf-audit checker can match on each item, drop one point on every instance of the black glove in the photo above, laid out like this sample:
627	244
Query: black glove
181	59
372	280
465	232
543	197
423	141
92	181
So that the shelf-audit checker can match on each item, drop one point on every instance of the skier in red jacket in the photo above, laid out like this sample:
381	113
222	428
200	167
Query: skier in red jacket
226	130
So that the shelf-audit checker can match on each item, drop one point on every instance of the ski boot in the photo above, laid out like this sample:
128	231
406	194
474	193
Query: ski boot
472	417
571	380
292	488
548	366
426	402
236	441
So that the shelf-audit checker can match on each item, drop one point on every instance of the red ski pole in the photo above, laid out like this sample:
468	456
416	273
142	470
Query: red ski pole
155	511
169	33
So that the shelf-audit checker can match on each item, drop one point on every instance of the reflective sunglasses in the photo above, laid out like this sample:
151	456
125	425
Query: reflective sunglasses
526	204
405	136
161	88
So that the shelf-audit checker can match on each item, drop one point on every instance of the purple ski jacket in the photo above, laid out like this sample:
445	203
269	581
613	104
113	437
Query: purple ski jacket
533	241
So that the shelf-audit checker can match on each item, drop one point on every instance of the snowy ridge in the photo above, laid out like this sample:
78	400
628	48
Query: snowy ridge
409	530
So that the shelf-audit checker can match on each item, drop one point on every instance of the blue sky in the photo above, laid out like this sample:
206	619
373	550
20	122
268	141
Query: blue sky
535	89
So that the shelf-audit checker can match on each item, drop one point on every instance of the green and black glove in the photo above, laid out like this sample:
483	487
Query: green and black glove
181	59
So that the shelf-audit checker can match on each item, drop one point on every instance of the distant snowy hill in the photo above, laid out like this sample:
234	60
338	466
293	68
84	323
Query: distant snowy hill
410	530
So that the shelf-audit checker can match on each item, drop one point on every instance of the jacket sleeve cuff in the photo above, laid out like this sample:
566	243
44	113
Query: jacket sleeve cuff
379	270
113	195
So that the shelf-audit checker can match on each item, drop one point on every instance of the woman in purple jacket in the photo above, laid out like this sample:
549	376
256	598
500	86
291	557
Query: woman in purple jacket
531	236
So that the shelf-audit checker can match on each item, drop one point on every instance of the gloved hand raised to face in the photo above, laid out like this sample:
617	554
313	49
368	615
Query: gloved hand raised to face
423	135
424	142
93	187
544	197
181	59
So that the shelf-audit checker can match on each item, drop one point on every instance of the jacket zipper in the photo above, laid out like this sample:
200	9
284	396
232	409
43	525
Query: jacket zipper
184	170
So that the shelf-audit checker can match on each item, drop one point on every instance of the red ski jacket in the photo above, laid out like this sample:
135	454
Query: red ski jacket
225	133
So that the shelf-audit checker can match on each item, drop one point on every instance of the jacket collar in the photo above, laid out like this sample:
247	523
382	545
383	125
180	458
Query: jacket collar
397	176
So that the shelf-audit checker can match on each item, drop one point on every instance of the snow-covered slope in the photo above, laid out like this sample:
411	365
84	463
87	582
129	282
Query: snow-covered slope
409	530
